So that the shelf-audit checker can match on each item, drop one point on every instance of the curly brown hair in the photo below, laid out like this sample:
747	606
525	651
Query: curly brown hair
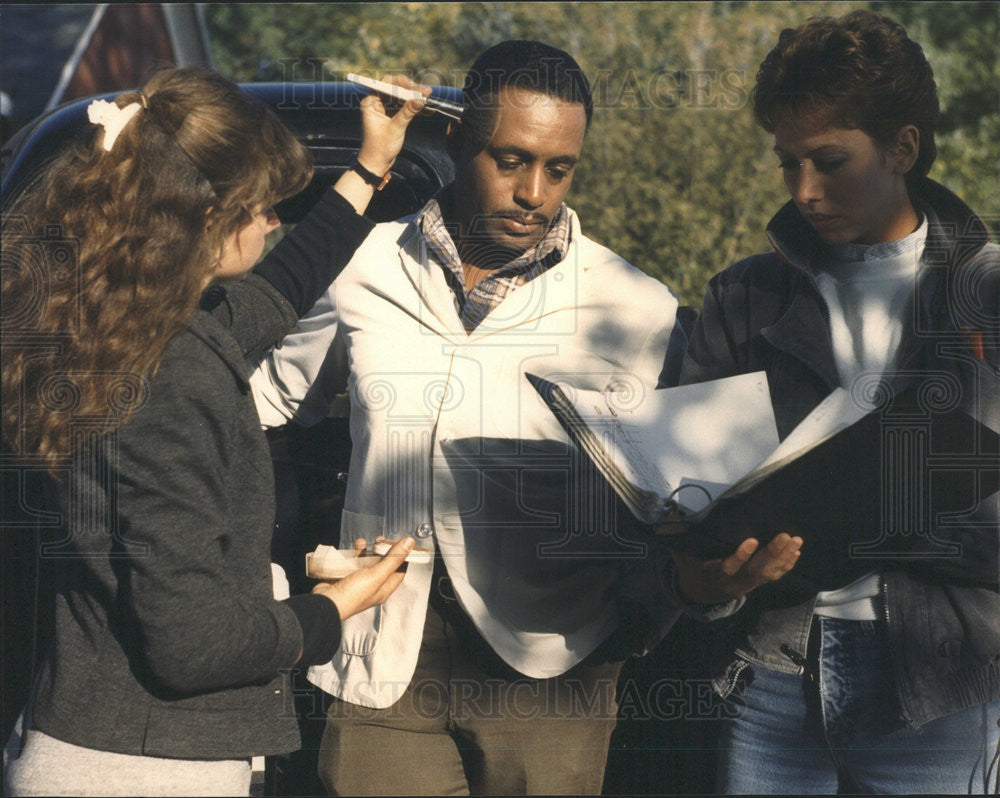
857	71
106	254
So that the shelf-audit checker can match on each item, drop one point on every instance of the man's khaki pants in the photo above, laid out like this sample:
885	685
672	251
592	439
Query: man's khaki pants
469	724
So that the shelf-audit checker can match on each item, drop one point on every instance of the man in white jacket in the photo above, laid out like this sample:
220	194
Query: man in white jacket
494	669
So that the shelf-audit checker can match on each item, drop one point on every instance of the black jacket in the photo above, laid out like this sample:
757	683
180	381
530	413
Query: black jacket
765	313
168	641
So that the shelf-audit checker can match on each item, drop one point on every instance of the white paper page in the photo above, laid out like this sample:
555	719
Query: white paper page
836	412
711	433
606	423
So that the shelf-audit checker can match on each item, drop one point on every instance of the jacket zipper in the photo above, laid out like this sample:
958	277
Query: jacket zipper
735	672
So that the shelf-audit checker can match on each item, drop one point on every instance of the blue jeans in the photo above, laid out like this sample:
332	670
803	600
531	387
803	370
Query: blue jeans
841	731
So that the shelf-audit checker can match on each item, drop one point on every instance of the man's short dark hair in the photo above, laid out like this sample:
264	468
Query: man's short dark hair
531	65
857	71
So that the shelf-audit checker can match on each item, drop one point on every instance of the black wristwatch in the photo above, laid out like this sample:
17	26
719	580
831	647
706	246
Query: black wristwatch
370	178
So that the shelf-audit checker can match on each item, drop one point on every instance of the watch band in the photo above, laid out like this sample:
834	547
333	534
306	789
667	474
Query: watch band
370	178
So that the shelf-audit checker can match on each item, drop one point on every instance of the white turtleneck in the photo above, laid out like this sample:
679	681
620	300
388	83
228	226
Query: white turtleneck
866	289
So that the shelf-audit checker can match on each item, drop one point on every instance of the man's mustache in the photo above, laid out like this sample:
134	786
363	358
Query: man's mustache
520	217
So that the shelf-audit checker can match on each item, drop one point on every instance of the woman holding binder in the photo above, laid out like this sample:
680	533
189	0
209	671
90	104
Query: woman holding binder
879	277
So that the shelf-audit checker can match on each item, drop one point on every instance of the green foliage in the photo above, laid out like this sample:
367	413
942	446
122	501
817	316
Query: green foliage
676	177
960	40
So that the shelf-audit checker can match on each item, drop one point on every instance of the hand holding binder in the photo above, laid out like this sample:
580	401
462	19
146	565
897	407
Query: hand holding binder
750	566
860	485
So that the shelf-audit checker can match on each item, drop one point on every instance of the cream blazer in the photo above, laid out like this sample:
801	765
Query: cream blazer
452	444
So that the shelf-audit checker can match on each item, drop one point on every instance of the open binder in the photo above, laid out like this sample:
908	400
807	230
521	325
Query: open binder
858	484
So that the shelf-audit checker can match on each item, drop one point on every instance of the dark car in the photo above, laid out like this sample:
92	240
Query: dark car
310	465
323	115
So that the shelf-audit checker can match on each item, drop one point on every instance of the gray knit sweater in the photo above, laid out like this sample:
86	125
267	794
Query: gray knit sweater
168	641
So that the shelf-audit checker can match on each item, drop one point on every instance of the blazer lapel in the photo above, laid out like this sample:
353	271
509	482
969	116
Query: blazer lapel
429	283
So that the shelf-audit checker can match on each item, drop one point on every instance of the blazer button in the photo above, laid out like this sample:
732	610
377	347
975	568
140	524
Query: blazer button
424	530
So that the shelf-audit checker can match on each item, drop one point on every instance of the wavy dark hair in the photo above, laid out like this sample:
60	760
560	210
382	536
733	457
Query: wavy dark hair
106	254
857	71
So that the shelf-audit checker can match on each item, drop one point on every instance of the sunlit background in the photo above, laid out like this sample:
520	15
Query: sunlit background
676	176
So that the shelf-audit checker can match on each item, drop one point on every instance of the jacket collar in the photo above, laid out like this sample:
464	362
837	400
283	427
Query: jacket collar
954	235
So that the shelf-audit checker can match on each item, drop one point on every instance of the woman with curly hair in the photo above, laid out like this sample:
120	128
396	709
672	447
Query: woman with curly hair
879	275
124	377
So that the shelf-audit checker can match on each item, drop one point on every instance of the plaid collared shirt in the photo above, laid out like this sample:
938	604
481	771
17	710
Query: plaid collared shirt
474	306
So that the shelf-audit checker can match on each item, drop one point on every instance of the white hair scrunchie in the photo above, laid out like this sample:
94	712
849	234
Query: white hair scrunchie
112	118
